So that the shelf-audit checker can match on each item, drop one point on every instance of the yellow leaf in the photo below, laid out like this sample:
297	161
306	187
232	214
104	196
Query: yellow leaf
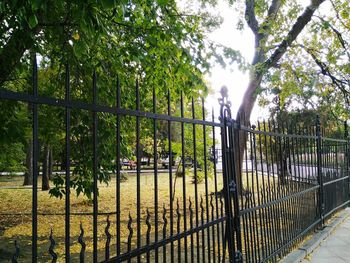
76	36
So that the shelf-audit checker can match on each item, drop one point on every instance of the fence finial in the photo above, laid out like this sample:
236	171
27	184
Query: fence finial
225	104
224	92
223	101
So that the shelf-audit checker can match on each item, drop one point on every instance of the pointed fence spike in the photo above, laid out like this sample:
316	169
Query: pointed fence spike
190	206
51	248
165	221
178	208
178	215
212	203
202	208
131	231
16	255
109	236
149	226
82	243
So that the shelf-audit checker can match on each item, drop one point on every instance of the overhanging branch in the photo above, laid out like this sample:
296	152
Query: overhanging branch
298	26
325	70
250	16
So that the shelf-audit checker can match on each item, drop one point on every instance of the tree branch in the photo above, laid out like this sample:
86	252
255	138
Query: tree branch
339	36
339	83
337	14
274	8
298	26
250	16
20	41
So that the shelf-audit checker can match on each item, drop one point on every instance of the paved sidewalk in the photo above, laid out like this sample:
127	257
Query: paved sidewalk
335	248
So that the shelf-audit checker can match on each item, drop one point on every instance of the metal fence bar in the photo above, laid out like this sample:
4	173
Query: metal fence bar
136	252
95	168
227	162
171	201
138	170
36	150
205	164
117	163
68	167
183	160
19	96
270	201
216	197
319	170
196	205
155	167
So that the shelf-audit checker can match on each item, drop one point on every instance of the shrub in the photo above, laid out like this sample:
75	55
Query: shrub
200	177
123	176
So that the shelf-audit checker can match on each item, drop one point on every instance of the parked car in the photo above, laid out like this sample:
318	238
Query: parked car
129	163
165	162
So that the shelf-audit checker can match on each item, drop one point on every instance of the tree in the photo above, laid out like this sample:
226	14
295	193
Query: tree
313	74
273	37
150	42
13	135
281	29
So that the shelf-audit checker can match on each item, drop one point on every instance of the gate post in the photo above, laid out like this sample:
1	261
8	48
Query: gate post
321	204
229	180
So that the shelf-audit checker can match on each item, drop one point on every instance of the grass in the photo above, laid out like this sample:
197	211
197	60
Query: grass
15	215
16	204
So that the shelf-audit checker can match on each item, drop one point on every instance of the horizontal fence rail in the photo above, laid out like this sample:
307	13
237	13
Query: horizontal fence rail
168	208
162	179
292	179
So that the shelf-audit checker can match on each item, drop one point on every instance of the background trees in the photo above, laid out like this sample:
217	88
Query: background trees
152	43
300	54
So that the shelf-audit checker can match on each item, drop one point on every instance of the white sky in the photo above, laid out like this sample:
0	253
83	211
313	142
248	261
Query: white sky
234	79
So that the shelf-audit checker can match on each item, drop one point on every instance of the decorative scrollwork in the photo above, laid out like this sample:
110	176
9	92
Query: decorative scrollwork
225	104
191	211
82	243
51	248
212	206
165	221
178	215
202	209
131	231
247	197
221	205
148	223
109	236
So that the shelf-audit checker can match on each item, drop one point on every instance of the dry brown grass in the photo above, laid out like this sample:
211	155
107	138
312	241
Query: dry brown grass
16	204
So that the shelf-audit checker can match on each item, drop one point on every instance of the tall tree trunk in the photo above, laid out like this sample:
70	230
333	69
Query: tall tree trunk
28	175
63	162
45	175
50	168
261	32
243	117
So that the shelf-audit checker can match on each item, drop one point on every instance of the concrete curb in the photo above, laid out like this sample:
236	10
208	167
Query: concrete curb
307	247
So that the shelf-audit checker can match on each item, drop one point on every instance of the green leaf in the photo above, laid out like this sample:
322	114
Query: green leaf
162	2
344	14
35	4
32	21
108	4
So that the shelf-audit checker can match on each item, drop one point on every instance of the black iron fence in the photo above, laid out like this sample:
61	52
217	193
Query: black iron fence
298	178
269	187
